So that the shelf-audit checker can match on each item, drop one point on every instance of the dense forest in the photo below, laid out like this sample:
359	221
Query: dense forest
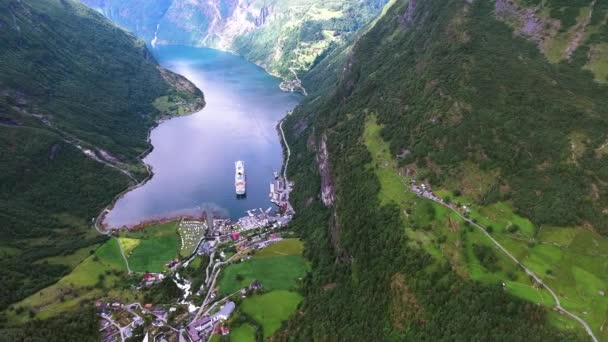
450	83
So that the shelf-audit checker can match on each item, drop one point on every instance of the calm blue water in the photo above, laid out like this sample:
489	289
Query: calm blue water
193	157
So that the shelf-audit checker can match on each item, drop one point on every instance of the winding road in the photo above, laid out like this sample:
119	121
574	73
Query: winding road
286	147
558	305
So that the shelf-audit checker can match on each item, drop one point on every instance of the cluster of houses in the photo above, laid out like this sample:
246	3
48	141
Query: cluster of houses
258	242
150	279
254	287
423	190
208	324
279	194
118	320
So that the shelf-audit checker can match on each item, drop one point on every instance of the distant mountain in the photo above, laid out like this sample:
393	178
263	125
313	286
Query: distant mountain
276	34
78	96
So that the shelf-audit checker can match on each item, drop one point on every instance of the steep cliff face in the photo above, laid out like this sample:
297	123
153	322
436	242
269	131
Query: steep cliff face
276	34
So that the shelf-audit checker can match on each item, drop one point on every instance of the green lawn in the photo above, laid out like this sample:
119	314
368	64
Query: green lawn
157	245
275	273
271	309
242	333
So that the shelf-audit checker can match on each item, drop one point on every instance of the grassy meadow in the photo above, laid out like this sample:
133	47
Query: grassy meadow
277	267
100	271
242	333
95	276
148	250
271	309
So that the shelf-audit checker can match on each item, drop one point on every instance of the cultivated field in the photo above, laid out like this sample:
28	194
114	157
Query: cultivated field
282	248
270	309
242	333
275	273
150	249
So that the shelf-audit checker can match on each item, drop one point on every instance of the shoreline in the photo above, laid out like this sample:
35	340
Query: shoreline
98	222
105	229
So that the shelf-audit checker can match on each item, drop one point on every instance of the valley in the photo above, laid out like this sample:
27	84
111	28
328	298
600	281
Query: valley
239	122
439	170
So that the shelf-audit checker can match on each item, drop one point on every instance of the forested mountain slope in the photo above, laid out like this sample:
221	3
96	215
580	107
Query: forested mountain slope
476	100
78	96
276	34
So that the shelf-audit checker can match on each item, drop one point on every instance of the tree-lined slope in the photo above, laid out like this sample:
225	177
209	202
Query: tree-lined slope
78	96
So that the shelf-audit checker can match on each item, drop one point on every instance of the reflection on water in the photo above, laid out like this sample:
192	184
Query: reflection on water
193	157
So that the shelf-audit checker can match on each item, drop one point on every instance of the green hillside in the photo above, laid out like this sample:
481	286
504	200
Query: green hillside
466	97
70	83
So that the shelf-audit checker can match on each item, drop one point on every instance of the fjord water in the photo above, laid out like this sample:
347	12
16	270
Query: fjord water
193	156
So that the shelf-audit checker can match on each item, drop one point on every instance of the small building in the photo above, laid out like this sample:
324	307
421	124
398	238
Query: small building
224	312
255	286
206	248
204	324
235	236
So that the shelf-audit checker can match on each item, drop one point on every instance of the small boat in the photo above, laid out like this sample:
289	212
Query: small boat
239	178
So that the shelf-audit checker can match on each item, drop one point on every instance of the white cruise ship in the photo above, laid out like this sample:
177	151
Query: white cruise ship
239	178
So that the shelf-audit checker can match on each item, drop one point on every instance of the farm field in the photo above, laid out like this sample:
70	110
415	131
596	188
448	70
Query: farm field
148	250
570	260
89	279
282	248
272	308
242	333
277	267
275	273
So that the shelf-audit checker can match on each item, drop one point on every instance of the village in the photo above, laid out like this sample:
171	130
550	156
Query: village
199	313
